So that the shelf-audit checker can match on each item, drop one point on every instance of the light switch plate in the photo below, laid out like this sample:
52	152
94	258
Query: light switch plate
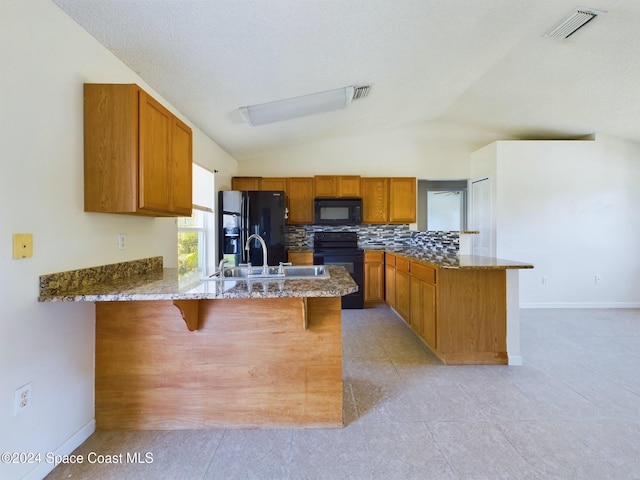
22	245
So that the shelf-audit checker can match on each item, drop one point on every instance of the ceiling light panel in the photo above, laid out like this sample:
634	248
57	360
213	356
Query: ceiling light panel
296	107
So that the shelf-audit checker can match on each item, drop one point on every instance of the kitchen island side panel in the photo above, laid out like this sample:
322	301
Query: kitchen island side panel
251	364
472	316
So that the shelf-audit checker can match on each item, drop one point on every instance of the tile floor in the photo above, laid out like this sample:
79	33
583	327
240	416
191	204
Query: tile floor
572	411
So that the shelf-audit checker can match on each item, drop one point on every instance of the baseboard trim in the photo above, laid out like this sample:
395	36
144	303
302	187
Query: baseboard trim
77	439
582	305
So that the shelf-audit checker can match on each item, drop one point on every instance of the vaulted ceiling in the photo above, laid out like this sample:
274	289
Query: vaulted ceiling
485	64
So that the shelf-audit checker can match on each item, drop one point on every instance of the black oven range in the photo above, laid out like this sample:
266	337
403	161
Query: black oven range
341	248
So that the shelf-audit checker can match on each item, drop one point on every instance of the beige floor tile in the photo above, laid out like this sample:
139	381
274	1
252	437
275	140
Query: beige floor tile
571	412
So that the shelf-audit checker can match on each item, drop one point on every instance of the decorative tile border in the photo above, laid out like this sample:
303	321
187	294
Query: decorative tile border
57	283
372	236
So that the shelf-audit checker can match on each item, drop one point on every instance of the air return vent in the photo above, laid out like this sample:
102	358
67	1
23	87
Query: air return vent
574	22
360	92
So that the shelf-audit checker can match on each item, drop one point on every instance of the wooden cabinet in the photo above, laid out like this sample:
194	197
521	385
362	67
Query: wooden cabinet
325	186
273	183
137	154
336	185
459	313
390	279
384	200
300	258
388	200
349	186
403	289
245	183
423	302
375	199
402	200
373	276
300	194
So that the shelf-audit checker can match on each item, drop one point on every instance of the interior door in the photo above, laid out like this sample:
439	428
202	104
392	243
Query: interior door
481	220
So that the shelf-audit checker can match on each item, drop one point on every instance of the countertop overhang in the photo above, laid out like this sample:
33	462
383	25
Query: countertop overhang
452	261
166	284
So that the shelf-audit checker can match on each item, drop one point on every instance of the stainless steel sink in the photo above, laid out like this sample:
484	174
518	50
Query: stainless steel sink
286	272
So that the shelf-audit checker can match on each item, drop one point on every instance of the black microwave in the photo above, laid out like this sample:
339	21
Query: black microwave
338	211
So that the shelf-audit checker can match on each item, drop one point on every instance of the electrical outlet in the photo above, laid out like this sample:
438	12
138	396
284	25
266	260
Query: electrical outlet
544	279
597	279
22	399
122	241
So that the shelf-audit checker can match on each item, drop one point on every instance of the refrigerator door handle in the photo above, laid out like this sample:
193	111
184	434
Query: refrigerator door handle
246	254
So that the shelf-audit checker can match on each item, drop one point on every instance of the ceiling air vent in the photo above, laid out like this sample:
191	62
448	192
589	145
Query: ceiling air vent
574	22
360	92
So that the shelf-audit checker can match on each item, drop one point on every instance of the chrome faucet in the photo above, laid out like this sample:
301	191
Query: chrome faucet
221	268
265	266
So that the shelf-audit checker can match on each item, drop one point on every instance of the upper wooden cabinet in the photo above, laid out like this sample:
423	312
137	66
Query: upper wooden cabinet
349	186
273	183
245	183
375	200
300	194
384	200
402	200
137	154
336	185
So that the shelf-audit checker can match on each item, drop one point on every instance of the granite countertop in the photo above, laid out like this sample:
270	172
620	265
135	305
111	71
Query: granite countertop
452	261
143	280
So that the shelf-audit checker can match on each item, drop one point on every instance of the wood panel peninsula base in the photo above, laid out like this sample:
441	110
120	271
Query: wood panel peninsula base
250	364
464	308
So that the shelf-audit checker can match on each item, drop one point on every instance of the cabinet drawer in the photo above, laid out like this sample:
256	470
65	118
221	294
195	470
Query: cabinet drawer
402	264
373	256
390	259
423	272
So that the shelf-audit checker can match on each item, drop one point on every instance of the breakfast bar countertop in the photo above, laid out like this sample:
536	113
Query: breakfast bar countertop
147	280
452	261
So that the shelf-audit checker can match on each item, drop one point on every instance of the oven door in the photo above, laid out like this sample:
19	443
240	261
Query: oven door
354	264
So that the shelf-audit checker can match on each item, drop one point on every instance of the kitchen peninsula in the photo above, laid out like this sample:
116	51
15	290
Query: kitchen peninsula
464	307
210	354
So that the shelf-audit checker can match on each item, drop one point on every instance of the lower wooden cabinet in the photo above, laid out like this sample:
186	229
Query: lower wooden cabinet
373	276
390	279
423	309
300	258
459	313
403	289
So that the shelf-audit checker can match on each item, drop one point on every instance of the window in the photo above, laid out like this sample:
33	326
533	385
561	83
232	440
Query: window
196	233
442	205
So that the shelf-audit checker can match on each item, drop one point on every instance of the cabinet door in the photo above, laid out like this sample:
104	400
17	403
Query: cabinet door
403	295
402	200
300	258
373	276
155	155
429	321
245	183
417	311
390	285
182	164
300	193
273	183
375	200
349	186
325	185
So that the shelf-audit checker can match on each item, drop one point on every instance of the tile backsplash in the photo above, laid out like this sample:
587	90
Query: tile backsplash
372	236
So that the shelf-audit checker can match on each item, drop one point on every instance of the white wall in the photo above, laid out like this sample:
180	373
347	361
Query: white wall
571	209
45	59
433	151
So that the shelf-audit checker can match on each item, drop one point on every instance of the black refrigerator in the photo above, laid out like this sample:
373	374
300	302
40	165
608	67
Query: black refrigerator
243	213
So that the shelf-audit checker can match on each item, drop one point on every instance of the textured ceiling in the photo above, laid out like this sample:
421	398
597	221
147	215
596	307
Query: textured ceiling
485	64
